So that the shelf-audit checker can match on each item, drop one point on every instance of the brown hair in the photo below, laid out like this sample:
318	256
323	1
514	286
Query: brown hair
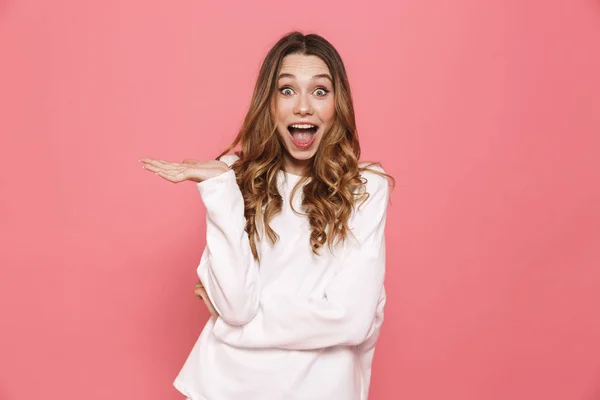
333	183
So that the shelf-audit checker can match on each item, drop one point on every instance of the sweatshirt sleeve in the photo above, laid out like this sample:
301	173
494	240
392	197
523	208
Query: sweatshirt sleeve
227	268
345	315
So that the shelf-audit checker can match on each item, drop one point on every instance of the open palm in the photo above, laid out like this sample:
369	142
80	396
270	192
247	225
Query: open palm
187	170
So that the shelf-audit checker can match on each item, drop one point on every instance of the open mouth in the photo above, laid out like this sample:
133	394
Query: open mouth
303	135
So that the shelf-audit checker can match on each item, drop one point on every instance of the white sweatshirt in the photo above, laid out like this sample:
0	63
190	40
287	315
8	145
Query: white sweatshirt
296	326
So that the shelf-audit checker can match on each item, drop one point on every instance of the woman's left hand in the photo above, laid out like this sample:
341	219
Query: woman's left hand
200	292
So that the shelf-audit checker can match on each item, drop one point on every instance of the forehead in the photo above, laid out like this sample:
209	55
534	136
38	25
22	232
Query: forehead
303	66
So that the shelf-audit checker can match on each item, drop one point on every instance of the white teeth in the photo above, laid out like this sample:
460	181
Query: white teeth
303	126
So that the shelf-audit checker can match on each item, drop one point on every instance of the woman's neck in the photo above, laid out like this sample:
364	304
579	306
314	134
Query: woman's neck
296	167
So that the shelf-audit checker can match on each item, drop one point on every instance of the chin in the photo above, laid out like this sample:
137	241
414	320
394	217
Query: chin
302	155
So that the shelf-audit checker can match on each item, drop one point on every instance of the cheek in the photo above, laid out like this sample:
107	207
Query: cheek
328	112
281	120
282	110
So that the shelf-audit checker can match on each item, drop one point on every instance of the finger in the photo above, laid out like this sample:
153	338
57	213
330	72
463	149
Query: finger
154	167
172	172
165	164
148	160
210	307
151	168
169	176
159	163
171	168
200	291
212	310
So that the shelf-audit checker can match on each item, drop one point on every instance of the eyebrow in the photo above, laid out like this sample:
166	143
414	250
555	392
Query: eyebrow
313	78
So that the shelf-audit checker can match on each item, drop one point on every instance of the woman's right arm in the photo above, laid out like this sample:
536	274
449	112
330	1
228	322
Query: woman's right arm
228	269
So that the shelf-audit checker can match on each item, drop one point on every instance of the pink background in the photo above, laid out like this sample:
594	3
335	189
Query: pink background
487	113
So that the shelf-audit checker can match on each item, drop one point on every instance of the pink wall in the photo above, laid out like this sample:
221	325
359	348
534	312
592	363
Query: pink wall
488	113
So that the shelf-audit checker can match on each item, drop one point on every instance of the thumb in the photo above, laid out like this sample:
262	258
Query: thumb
190	161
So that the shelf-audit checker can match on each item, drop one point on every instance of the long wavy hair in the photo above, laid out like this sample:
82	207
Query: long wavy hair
333	184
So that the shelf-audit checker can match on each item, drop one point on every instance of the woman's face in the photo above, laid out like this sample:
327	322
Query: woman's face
304	108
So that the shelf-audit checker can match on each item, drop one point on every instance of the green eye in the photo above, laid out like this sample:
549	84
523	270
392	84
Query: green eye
321	92
286	91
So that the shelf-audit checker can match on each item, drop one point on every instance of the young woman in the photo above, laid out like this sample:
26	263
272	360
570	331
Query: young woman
294	264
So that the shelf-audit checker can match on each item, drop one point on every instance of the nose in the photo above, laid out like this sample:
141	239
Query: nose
303	106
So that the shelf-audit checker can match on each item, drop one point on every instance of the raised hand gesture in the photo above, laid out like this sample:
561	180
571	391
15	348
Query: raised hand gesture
187	170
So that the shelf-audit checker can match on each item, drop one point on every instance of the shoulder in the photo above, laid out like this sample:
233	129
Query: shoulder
229	159
375	180
370	212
